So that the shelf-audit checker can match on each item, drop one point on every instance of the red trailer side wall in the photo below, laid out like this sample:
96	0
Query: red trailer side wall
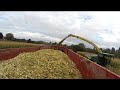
88	69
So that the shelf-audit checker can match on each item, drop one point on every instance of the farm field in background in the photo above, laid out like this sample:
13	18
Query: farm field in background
14	44
88	54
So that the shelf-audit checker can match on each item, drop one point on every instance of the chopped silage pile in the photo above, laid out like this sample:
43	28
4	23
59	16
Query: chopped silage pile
42	64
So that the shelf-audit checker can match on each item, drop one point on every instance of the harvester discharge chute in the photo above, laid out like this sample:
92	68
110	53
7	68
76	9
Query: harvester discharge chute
101	58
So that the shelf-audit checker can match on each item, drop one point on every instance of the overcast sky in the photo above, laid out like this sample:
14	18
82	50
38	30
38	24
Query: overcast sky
102	28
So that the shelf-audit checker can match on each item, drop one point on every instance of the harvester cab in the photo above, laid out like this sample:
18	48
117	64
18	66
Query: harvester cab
101	58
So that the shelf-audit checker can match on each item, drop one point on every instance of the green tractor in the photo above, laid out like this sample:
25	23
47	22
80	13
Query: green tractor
101	58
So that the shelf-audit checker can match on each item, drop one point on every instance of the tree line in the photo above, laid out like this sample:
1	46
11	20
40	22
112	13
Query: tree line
75	48
10	37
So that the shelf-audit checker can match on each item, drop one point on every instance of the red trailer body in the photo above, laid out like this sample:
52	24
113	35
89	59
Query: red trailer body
88	69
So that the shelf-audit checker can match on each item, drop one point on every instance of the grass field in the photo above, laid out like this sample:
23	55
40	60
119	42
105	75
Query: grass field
115	66
13	44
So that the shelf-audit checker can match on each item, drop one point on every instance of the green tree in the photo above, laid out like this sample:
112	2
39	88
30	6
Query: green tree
9	36
81	47
55	43
29	41
117	53
107	50
113	50
1	35
65	45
